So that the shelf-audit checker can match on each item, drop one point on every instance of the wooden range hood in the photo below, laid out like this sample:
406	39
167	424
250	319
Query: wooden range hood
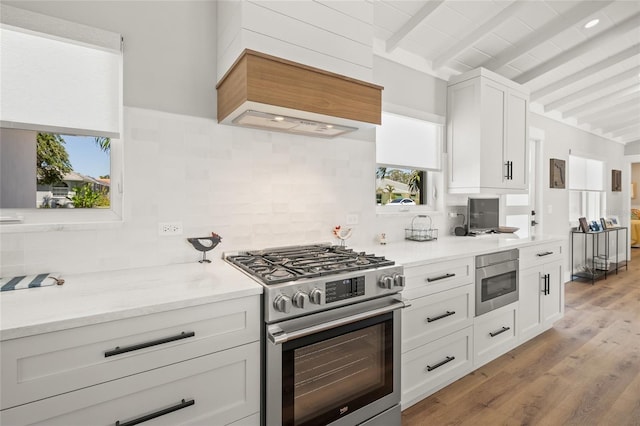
286	96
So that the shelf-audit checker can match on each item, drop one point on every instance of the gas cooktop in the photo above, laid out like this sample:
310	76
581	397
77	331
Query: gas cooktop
284	264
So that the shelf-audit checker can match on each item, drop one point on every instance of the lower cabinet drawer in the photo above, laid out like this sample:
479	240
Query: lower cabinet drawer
495	333
438	276
436	364
217	389
541	253
434	316
44	365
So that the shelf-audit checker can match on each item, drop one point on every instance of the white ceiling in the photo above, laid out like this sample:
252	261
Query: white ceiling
589	78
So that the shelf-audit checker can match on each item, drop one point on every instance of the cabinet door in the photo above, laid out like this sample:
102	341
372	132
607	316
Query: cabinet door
463	134
215	389
529	312
492	156
553	302
516	140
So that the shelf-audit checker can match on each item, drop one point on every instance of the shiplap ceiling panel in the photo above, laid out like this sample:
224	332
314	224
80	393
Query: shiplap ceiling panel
477	10
542	44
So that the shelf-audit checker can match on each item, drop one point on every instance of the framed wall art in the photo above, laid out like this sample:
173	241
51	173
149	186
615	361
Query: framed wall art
557	174
616	180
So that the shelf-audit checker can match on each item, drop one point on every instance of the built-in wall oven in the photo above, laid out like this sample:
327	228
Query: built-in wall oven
332	340
496	280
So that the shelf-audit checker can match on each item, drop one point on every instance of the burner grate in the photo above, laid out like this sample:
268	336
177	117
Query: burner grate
274	266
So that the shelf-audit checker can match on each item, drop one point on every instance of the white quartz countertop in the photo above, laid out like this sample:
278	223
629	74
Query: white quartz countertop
105	296
415	253
92	298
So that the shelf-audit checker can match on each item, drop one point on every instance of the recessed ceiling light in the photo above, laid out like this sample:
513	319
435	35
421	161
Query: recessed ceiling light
592	23
278	118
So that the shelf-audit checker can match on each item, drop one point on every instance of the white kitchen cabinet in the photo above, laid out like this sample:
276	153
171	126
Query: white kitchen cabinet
431	317
437	329
438	276
136	366
495	333
541	289
215	389
487	134
431	367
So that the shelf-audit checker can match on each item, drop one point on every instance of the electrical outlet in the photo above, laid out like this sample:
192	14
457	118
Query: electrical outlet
352	219
170	228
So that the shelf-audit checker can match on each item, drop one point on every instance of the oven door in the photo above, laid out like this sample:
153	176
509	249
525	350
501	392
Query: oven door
337	367
496	286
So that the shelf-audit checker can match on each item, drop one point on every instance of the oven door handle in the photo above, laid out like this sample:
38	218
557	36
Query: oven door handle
278	336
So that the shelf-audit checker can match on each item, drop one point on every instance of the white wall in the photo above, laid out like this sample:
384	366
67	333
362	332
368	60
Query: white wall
559	140
169	48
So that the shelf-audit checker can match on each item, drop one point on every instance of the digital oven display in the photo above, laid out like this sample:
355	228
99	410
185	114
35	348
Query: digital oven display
344	289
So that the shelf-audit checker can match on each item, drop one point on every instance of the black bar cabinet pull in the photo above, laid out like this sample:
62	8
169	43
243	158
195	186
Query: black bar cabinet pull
548	283
147	417
441	277
441	363
510	170
546	253
447	314
507	174
118	350
502	330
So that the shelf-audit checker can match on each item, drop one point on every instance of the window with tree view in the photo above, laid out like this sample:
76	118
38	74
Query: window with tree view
65	171
398	186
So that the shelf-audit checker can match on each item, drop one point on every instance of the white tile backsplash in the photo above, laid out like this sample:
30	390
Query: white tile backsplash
254	188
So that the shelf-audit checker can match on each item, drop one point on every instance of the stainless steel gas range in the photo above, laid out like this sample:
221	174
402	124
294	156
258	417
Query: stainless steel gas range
331	336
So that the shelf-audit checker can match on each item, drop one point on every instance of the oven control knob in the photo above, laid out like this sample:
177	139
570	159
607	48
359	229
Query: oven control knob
386	281
300	299
282	303
315	296
398	280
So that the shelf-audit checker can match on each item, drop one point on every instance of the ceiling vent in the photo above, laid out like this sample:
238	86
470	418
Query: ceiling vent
265	92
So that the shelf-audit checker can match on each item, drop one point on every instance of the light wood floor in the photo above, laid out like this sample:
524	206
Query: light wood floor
584	371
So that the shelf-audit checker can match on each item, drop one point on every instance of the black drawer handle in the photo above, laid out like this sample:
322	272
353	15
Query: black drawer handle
118	350
441	363
448	314
441	277
546	253
502	330
147	417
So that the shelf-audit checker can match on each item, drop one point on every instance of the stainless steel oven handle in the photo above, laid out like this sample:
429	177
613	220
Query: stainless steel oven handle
280	336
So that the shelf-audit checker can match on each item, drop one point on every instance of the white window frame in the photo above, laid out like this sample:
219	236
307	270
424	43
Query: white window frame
35	220
434	184
586	190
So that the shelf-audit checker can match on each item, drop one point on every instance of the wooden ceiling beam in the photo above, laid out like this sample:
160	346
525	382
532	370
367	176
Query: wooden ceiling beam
586	72
422	14
605	101
477	34
630	24
603	84
551	29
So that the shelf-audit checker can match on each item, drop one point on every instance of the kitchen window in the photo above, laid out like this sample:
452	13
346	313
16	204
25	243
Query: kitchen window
408	157
57	78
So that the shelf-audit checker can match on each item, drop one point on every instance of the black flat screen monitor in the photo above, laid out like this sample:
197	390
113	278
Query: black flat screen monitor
483	214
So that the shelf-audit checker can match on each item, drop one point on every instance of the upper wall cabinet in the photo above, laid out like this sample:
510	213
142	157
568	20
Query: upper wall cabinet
487	134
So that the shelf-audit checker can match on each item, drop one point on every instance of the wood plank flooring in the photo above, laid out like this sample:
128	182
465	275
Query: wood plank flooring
584	371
